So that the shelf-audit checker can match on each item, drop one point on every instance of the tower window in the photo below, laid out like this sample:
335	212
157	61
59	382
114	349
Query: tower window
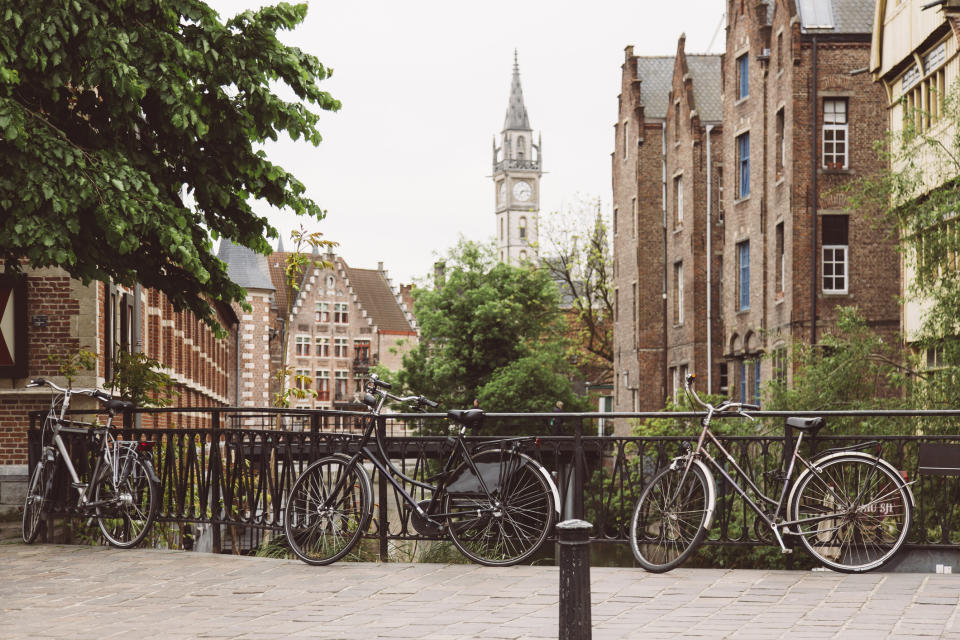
520	147
523	228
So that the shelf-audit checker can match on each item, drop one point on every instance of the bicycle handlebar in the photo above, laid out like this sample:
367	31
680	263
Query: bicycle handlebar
725	406
93	393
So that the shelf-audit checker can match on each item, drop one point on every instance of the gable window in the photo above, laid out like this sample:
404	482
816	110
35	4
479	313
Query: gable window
362	351
780	152
340	312
743	275
303	345
323	347
626	138
678	201
340	347
676	120
743	77
835	254
323	312
780	51
743	165
835	130
323	386
340	388
781	257
678	293
301	379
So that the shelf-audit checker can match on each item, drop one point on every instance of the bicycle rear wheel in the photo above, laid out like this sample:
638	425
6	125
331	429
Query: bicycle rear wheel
669	521
37	492
513	523
854	514
125	509
328	509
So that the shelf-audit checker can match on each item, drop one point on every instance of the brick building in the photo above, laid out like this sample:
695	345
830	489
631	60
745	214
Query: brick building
45	312
341	321
799	119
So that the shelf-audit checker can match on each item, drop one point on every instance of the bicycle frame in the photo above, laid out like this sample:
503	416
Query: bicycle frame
391	473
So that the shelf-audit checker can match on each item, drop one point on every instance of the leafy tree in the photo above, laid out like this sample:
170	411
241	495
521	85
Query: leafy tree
138	378
581	262
919	192
130	134
492	332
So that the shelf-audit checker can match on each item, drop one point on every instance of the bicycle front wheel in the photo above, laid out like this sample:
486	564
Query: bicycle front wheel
854	514
670	519
127	506
509	526
37	492
327	511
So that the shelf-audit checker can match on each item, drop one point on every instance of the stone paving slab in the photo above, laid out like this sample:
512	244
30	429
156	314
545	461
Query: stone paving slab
74	592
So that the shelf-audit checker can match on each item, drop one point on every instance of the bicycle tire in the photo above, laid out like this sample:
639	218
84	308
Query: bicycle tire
38	491
516	525
872	521
670	521
126	511
322	527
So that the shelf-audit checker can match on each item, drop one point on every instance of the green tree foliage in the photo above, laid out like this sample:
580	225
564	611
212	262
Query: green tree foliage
491	332
919	193
580	260
138	378
130	135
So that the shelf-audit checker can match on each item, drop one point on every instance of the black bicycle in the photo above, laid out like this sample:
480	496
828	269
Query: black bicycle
123	493
497	504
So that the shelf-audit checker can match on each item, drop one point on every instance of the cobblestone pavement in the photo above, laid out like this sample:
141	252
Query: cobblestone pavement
53	591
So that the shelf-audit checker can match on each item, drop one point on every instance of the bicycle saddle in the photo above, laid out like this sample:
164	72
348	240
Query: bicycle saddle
806	424
470	418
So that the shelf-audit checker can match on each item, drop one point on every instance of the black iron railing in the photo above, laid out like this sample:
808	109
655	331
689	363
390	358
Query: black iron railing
233	467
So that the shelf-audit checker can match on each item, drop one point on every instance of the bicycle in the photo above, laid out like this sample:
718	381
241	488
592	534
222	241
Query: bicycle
497	504
123	492
850	509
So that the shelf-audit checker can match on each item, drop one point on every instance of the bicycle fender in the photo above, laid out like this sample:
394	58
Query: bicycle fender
151	472
550	483
711	492
855	454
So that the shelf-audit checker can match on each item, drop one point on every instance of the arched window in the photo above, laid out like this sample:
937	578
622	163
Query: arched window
501	228
523	228
523	256
520	147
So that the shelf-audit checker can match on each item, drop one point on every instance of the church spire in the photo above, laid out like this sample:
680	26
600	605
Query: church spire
516	111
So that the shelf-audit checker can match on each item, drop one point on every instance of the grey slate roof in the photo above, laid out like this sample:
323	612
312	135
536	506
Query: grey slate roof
516	117
656	76
378	300
707	92
837	16
245	267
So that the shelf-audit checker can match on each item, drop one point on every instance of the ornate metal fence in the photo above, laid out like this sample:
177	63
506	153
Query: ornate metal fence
231	468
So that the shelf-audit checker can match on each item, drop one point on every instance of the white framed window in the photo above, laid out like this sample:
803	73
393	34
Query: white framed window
323	347
340	347
835	134
323	386
835	265
323	312
340	312
300	379
678	293
340	385
302	345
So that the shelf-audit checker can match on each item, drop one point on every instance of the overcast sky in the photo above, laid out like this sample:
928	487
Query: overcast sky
405	165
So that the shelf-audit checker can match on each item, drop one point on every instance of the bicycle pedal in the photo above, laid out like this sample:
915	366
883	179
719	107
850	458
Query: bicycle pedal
786	552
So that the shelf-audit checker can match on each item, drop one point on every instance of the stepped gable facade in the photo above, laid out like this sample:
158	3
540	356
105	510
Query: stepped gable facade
341	322
638	234
694	222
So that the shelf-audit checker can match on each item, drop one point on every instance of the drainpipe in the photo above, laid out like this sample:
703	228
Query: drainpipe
709	263
137	336
813	206
663	293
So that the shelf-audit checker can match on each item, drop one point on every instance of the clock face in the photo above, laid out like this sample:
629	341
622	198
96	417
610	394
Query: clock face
521	191
503	191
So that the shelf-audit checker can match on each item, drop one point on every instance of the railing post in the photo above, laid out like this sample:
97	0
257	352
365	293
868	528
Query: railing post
314	439
383	524
574	541
578	471
215	480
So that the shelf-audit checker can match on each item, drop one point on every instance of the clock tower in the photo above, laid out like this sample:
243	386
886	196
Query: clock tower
517	164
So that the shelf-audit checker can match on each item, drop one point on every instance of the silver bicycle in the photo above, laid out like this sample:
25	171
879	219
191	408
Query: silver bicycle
850	509
123	492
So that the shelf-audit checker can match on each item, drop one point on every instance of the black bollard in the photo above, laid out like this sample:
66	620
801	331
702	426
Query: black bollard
573	536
